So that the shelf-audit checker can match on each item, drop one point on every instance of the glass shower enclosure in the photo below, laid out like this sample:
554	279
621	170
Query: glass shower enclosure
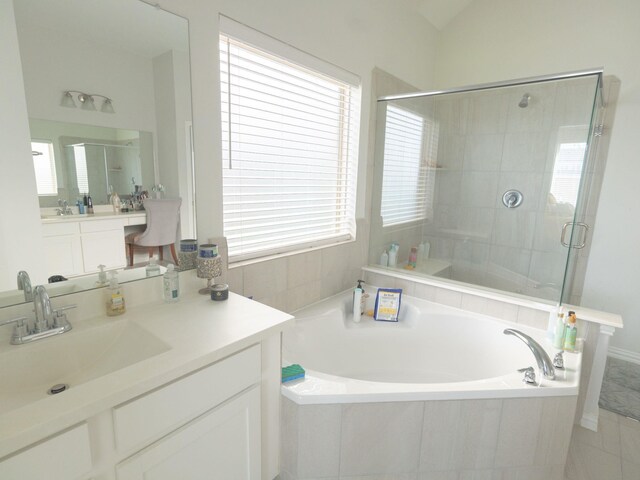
486	185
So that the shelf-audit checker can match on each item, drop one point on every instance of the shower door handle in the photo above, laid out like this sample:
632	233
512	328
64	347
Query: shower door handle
583	241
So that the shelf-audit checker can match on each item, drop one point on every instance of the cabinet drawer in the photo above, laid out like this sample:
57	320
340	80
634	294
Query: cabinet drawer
146	418
65	456
62	228
101	225
139	220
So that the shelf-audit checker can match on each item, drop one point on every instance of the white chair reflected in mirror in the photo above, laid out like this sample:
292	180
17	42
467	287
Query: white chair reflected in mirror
163	221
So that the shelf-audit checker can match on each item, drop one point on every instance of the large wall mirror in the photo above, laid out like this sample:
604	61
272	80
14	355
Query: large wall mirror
125	124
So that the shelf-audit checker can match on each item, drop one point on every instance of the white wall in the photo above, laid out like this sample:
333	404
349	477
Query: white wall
20	227
501	39
51	67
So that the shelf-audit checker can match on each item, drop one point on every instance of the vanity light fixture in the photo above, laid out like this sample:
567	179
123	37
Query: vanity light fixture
87	101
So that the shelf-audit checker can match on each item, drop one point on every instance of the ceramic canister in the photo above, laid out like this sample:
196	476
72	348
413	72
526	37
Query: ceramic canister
188	245
208	250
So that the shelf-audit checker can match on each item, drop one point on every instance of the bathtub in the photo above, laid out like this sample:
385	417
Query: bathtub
436	395
434	352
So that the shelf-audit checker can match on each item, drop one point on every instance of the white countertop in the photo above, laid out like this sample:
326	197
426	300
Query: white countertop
199	332
94	216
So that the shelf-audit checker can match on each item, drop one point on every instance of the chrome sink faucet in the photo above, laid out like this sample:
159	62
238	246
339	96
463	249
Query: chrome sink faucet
48	321
64	208
24	284
542	359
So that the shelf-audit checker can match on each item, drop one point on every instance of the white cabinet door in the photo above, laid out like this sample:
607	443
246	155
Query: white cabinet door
103	248
223	444
64	457
64	255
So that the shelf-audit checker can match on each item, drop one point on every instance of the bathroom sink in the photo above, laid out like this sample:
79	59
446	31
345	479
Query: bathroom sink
81	355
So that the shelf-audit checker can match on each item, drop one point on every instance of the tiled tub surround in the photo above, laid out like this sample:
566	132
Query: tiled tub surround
518	438
460	429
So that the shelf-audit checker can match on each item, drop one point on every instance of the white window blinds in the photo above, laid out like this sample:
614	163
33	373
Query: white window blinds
44	165
289	138
407	187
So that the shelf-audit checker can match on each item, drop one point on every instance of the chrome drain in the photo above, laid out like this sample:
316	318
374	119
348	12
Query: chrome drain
58	388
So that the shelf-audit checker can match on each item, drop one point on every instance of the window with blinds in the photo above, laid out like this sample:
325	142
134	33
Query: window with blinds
289	140
407	187
44	165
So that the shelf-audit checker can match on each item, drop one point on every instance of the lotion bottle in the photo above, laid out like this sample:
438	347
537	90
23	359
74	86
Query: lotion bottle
357	301
115	297
559	331
384	259
570	333
171	285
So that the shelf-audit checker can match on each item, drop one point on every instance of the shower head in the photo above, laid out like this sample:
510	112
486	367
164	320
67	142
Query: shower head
524	103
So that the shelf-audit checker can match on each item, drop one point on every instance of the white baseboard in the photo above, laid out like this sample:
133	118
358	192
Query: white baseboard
623	354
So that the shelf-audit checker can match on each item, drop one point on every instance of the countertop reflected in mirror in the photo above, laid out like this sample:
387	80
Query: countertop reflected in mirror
141	141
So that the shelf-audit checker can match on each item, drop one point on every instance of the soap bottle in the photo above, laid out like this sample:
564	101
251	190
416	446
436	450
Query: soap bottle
171	284
413	257
358	294
115	202
559	330
570	333
89	204
393	255
102	277
115	297
152	269
384	259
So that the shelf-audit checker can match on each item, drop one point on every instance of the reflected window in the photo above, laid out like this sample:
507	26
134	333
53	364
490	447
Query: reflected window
407	186
82	175
44	165
569	161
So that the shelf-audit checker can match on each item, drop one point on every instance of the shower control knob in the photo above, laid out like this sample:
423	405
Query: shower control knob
512	198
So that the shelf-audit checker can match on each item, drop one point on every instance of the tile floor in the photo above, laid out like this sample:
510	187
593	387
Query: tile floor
621	388
613	453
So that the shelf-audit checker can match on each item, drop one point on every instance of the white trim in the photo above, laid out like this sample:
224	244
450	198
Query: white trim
622	354
263	41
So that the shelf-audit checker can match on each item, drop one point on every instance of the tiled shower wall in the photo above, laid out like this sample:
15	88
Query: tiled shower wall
488	145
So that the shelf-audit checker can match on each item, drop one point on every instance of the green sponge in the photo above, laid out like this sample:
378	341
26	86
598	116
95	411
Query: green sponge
292	372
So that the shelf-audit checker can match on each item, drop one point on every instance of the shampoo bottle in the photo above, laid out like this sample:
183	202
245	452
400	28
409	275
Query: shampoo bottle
171	285
393	255
115	297
384	259
558	332
89	204
358	295
570	333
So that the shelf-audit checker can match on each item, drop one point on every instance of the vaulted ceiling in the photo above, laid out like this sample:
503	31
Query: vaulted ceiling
441	12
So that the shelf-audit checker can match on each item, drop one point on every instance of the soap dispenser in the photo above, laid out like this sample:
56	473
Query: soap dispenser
115	297
102	277
170	284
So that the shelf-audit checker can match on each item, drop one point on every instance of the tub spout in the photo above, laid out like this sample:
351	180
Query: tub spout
543	360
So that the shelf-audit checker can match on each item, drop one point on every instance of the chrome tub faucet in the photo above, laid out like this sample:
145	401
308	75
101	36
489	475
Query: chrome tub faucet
542	359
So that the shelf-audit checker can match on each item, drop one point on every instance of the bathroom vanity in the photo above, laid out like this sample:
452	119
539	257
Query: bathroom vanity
77	244
164	391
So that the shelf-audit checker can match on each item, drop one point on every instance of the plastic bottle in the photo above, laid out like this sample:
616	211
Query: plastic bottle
152	269
89	204
384	259
420	256
102	277
171	284
115	297
115	202
558	332
393	255
570	333
413	257
427	248
80	207
357	302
